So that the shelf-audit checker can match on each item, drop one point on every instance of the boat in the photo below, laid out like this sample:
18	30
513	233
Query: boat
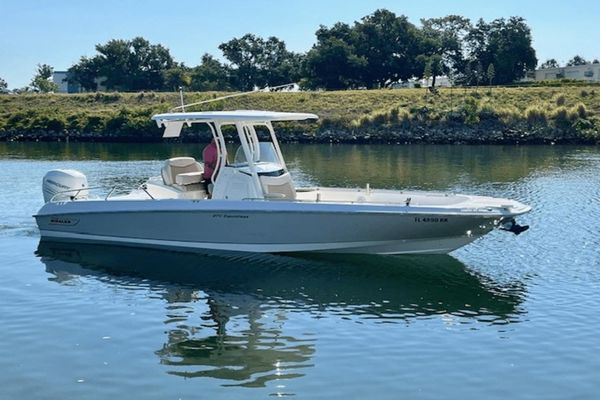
253	205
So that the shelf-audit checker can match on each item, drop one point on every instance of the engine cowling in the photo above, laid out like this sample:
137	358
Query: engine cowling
64	184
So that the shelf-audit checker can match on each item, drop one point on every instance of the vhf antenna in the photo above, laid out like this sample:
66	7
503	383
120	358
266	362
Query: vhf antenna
181	97
265	89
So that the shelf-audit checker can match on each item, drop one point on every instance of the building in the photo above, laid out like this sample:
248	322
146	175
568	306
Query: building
586	72
64	86
440	81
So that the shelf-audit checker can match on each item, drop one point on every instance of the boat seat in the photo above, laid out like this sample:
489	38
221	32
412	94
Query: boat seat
188	178
182	171
278	187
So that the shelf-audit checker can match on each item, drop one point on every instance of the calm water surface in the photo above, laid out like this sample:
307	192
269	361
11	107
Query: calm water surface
506	317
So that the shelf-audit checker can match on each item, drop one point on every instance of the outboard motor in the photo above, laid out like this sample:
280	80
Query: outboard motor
64	184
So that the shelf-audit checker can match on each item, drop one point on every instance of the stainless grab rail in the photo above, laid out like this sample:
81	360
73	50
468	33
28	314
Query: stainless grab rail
77	191
106	198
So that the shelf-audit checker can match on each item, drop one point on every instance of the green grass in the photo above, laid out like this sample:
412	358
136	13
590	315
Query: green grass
557	113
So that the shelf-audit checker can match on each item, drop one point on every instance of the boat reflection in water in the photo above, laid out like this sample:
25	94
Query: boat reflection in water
245	301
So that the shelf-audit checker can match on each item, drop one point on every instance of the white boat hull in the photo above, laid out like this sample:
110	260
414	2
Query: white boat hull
268	226
409	246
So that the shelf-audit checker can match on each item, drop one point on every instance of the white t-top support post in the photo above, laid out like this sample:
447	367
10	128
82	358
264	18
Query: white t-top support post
244	139
221	148
276	144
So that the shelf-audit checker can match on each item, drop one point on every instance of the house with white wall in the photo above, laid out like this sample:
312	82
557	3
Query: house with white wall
585	72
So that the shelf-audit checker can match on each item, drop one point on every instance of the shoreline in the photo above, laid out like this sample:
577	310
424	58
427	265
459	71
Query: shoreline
503	115
468	135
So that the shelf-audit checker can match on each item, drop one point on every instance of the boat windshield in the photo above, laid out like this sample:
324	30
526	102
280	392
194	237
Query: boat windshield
266	153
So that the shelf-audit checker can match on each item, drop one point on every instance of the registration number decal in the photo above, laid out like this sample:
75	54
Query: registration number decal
431	219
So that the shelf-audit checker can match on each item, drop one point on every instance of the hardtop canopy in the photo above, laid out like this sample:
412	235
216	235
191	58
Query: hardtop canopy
232	116
173	122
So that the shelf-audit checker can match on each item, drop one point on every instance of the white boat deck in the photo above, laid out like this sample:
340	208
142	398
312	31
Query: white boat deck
357	196
379	196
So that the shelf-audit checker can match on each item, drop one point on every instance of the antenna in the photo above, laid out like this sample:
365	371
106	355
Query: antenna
266	89
181	97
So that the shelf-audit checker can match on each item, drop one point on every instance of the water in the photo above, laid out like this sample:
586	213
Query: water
505	317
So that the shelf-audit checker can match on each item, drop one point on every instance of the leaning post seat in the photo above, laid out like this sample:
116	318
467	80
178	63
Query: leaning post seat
278	187
182	171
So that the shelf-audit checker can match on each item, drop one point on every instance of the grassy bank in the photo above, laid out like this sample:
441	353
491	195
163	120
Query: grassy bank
502	115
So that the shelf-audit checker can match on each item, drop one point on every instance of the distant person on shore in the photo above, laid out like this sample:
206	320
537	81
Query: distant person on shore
210	157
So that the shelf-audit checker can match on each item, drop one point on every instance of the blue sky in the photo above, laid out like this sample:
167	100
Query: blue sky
58	32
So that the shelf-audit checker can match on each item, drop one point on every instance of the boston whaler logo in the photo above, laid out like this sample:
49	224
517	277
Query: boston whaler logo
63	221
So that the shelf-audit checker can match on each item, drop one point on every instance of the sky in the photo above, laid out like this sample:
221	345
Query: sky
59	32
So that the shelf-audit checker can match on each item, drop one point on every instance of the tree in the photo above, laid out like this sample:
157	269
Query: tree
149	62
491	73
513	54
549	63
279	66
3	86
379	49
427	71
85	73
260	62
577	60
478	72
389	44
133	64
466	76
114	64
445	37
433	67
287	70
244	54
127	65
595	61
41	82
504	43
333	64
176	77
210	75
